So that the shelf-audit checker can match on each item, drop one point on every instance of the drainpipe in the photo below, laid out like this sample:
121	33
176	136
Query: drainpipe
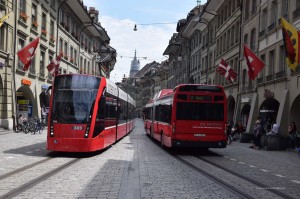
14	101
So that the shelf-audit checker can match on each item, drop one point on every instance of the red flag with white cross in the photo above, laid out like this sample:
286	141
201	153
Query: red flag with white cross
53	67
255	65
27	53
225	70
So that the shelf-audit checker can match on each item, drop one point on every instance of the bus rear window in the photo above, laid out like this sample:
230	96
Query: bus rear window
200	111
219	98
201	98
182	96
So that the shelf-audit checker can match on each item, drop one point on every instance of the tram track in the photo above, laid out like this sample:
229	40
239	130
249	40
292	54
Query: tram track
217	177
25	185
259	184
24	168
212	177
262	190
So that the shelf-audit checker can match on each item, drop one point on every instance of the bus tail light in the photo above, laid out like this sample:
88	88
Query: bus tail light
86	134
173	127
51	130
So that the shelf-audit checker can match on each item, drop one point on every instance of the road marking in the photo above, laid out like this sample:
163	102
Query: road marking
278	175
296	181
264	170
241	162
252	166
232	159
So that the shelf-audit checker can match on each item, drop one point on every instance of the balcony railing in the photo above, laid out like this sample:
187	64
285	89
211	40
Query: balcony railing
269	78
32	70
42	73
296	13
271	27
280	74
259	80
261	33
20	66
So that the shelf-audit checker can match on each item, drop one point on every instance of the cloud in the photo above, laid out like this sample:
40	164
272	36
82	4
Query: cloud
149	41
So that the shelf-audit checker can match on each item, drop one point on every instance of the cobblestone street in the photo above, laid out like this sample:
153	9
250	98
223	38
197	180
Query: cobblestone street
137	167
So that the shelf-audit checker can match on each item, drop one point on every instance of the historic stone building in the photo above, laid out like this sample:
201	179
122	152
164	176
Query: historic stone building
66	27
219	30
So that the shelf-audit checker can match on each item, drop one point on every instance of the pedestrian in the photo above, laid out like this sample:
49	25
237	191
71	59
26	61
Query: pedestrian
274	130
228	132
21	119
292	135
257	133
44	114
238	128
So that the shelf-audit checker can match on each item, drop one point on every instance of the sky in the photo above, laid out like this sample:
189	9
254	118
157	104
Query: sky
156	22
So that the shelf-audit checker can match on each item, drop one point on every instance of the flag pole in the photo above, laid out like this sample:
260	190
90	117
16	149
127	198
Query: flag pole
14	91
240	65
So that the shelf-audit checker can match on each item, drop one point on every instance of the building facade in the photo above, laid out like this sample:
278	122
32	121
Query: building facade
219	31
64	27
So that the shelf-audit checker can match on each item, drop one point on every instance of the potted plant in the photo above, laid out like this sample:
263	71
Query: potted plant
23	16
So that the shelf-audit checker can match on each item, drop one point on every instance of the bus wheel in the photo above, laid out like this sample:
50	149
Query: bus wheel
162	140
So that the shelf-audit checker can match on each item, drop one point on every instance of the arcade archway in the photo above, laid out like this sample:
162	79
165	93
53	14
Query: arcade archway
230	108
294	112
268	110
25	101
245	114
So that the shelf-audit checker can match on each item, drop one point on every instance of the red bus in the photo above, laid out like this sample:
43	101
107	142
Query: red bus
191	115
87	113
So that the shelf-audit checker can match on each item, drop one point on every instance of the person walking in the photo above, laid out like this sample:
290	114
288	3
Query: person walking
257	133
292	135
44	115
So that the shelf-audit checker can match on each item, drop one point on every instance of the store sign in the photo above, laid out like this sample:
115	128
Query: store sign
26	82
23	101
245	100
19	94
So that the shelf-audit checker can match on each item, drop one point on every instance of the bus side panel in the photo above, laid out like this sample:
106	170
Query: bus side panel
166	130
147	124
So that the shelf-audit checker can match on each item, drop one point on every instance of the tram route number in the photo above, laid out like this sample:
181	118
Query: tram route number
77	128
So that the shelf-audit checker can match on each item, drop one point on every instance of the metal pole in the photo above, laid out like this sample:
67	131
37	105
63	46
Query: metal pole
14	100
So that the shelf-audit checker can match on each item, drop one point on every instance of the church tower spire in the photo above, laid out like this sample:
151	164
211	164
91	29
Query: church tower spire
135	66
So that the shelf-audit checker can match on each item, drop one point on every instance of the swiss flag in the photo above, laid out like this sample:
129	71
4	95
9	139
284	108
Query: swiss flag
27	53
255	65
54	65
225	70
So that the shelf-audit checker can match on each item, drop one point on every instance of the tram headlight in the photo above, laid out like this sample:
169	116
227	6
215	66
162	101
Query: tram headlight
87	130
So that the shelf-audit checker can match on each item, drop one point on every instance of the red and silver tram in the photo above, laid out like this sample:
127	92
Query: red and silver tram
87	113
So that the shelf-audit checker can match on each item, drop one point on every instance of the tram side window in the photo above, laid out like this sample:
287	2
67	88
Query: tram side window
122	111
110	110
